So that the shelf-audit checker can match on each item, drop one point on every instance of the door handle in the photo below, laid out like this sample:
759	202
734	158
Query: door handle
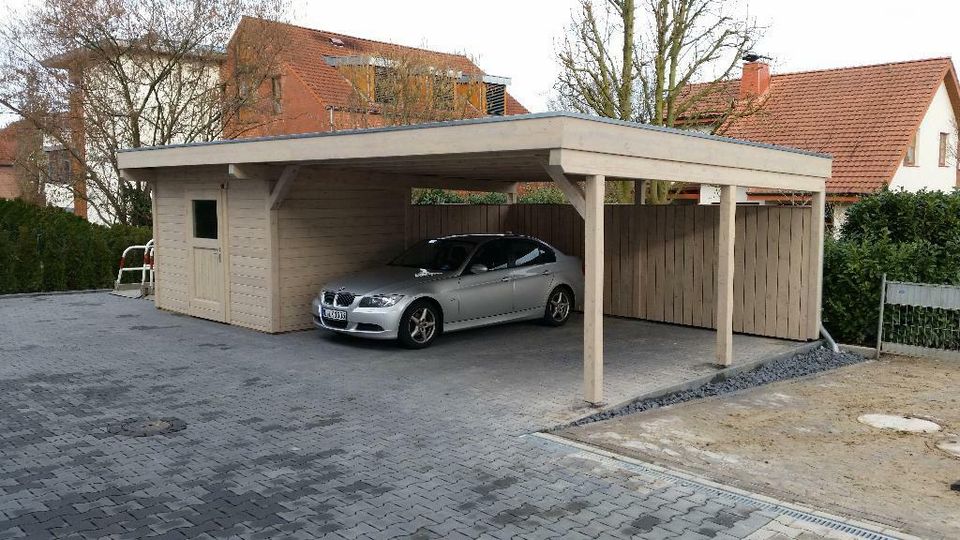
505	279
546	273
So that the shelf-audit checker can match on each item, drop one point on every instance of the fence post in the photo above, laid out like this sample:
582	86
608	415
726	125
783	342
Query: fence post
883	300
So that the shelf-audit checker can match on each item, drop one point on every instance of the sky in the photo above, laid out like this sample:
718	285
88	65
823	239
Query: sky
517	38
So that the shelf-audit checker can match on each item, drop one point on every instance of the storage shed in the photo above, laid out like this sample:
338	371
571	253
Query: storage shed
248	230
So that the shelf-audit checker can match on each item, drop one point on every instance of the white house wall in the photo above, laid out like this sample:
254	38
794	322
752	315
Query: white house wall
928	174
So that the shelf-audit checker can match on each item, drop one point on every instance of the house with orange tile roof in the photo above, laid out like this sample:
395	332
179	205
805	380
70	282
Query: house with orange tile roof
890	125
329	81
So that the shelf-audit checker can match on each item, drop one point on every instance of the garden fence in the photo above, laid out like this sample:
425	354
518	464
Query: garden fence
919	319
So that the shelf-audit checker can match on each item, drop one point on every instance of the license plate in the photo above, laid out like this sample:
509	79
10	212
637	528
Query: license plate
334	315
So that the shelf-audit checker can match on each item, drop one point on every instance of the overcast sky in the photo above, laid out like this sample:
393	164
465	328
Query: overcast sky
516	38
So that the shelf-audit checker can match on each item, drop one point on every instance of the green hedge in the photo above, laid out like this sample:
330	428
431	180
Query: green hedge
908	236
48	249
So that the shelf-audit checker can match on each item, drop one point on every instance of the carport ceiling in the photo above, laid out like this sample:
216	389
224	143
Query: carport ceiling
515	148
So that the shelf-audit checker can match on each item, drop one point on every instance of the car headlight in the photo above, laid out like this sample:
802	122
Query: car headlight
380	300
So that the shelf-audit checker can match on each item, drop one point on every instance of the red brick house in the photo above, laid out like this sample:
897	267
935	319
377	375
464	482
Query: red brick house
888	125
329	81
9	186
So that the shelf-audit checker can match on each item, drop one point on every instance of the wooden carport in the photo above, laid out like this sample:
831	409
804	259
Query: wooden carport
578	153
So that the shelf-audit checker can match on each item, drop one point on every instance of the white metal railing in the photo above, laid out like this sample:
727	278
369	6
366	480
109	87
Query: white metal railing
146	270
919	319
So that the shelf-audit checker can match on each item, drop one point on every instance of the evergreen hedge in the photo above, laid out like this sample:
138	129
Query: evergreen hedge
48	249
908	236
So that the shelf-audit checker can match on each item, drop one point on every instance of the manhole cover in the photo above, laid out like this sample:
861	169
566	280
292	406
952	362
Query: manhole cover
950	446
145	427
907	424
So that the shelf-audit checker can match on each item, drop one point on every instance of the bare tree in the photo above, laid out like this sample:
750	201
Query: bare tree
96	76
640	62
403	86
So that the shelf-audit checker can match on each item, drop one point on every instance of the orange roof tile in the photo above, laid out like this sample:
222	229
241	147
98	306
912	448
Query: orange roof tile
307	47
863	116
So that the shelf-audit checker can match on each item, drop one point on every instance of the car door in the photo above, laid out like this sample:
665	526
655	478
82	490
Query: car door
532	272
490	293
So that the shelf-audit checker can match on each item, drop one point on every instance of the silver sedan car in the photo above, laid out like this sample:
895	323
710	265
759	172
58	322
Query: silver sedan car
453	283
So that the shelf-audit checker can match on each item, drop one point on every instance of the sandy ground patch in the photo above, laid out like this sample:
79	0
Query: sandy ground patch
800	441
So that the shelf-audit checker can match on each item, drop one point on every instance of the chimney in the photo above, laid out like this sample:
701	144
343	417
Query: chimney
755	80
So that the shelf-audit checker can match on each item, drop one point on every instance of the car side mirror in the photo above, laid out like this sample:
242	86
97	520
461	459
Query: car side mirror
478	268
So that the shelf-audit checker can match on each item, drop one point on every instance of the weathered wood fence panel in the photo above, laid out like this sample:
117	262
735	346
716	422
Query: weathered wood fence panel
660	261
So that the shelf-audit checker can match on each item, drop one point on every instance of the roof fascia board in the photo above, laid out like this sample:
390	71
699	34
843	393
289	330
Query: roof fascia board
541	134
581	163
669	145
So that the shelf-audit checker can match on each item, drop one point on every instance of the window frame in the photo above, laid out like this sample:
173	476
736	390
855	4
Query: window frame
195	214
910	157
944	149
276	93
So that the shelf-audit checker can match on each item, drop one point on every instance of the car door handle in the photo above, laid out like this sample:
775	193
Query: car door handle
505	279
547	272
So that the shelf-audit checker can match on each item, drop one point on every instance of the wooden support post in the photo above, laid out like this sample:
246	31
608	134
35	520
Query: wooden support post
593	291
512	194
639	192
725	242
818	202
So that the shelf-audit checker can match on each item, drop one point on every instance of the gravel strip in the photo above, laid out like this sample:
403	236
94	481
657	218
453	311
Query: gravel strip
815	361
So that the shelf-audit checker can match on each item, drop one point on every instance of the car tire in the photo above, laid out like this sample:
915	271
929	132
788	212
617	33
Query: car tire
420	325
559	306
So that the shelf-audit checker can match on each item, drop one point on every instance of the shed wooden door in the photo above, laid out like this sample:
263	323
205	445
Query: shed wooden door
205	238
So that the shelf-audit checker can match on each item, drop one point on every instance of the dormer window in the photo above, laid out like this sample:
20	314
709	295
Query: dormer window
496	94
910	159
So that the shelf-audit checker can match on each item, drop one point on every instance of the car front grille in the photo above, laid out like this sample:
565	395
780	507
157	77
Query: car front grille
328	297
344	299
334	324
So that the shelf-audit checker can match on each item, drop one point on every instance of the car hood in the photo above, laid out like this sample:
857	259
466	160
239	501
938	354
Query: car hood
385	280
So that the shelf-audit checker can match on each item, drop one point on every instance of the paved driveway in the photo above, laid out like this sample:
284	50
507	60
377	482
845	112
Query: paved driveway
308	435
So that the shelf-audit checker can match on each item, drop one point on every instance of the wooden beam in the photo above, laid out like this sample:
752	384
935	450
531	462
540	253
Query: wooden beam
578	162
139	175
725	268
405	181
593	291
282	187
248	171
575	195
815	271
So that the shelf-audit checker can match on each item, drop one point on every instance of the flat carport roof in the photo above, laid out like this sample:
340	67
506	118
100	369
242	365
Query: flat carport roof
494	153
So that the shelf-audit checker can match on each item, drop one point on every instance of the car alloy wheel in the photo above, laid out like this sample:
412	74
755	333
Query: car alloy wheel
422	325
559	304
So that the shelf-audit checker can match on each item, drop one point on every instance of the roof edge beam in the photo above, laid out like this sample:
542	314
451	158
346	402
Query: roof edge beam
582	163
282	187
571	190
138	175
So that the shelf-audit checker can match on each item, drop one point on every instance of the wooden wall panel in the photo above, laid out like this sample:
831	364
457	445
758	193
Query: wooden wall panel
660	261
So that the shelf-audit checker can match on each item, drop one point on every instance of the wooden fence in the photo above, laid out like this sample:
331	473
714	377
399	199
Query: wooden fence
660	261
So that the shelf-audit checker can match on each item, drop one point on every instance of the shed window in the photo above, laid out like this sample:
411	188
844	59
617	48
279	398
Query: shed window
910	159
944	142
205	219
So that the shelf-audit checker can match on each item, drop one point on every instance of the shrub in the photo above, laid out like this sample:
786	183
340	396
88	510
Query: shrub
908	236
546	194
47	249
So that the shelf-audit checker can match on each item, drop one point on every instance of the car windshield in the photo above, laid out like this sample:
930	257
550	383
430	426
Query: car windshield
442	255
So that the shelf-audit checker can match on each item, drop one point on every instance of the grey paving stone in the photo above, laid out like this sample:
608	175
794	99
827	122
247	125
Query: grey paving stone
307	435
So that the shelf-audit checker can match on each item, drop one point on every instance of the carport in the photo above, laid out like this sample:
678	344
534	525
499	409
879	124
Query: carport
247	230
